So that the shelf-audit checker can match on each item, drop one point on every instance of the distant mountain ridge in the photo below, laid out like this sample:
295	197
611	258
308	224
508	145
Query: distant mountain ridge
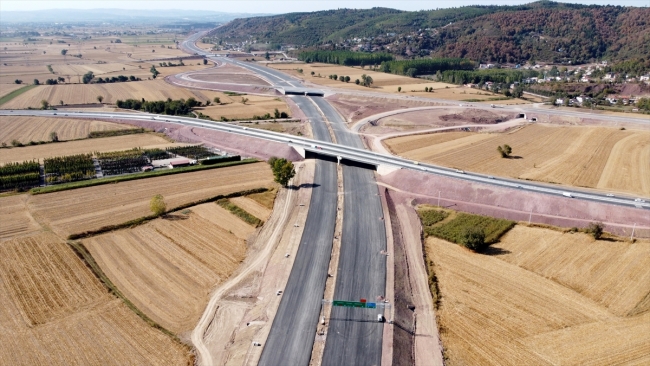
543	30
117	15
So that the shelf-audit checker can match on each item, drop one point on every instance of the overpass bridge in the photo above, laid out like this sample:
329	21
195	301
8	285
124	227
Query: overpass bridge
310	148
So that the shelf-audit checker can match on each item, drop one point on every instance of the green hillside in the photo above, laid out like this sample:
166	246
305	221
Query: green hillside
543	31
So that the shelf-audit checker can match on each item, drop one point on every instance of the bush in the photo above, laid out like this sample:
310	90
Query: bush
595	229
473	238
158	205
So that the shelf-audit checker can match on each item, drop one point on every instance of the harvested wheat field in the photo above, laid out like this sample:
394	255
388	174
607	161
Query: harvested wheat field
168	267
494	312
54	311
26	129
84	209
595	157
615	275
87	93
255	106
8	88
15	219
252	207
143	140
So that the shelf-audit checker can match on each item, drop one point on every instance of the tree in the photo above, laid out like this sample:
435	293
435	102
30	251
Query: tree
153	71
158	205
312	73
276	113
54	137
45	104
341	78
61	102
267	56
17	81
473	238
399	89
244	100
205	61
595	229
504	150
100	98
366	80
357	81
63	53
87	77
217	100
36	82
347	79
283	170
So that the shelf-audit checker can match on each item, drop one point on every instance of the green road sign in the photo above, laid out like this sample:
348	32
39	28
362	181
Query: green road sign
354	304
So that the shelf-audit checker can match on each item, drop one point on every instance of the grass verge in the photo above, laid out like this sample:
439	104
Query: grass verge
145	219
240	212
113	133
16	93
125	178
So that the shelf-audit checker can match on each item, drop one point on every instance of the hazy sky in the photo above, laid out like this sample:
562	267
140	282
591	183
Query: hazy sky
276	6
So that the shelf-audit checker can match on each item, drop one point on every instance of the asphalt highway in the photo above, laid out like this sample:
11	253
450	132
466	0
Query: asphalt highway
354	336
292	334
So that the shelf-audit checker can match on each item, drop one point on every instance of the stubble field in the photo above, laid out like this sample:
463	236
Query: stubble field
168	266
595	157
25	129
544	298
37	152
80	210
87	93
384	82
15	218
54	311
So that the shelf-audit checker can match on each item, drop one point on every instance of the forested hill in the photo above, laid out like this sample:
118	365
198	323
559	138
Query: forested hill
544	31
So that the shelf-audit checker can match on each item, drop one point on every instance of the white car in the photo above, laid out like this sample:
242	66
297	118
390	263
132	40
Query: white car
609	195
639	200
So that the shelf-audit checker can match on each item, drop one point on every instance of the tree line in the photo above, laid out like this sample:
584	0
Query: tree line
426	66
179	107
346	58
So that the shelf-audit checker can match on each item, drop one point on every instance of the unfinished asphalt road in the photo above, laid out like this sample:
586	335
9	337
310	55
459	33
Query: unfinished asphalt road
291	338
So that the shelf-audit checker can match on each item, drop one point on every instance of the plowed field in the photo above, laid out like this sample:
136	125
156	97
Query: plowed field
91	208
15	220
53	311
45	278
84	147
168	267
26	129
558	304
599	157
